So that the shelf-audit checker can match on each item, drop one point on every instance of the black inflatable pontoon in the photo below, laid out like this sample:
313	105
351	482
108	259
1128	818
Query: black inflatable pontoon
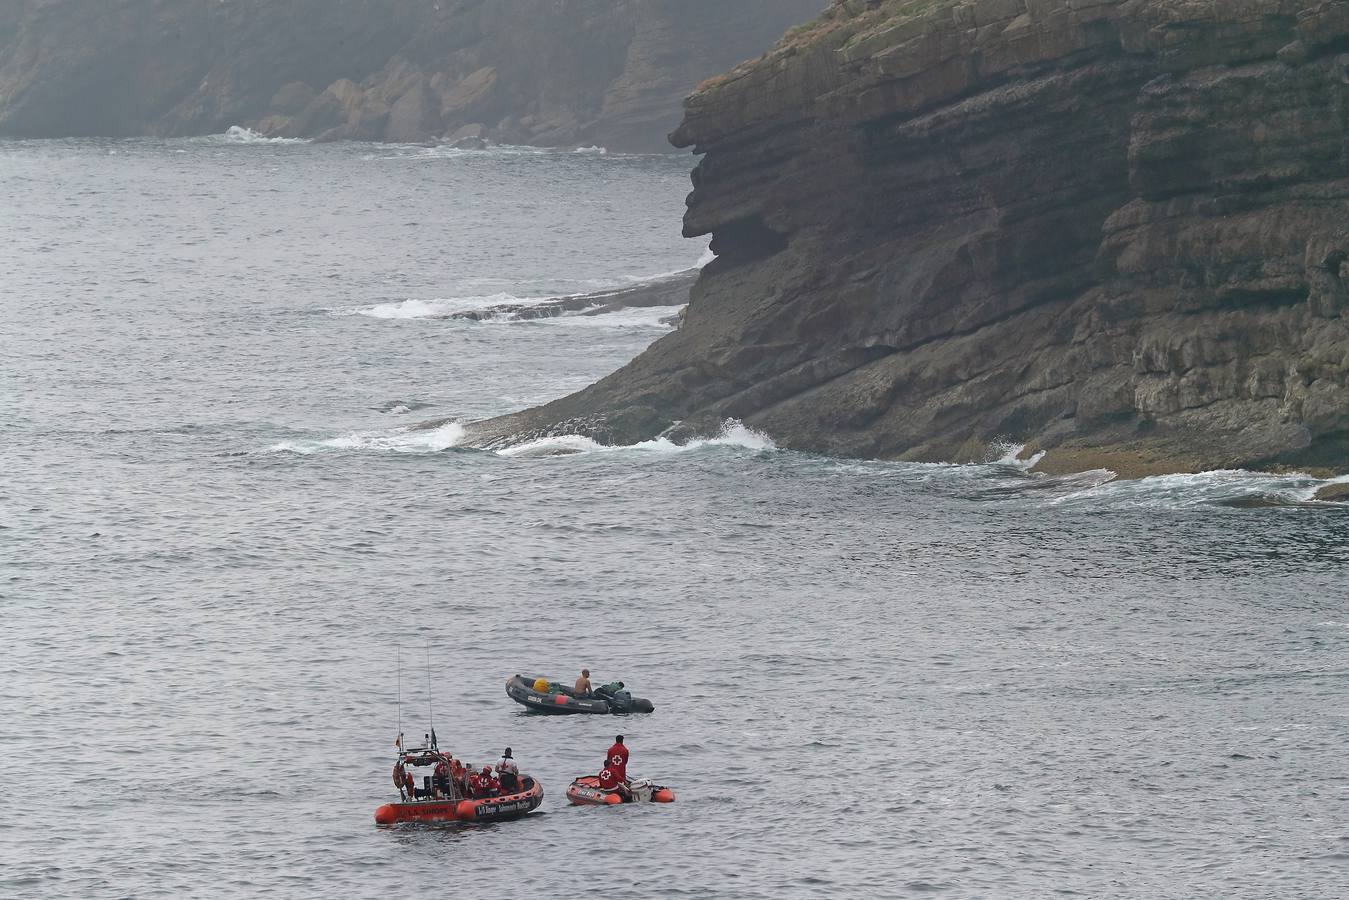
562	701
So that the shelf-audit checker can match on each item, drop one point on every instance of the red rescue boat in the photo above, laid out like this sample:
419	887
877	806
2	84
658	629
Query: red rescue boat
586	791
443	799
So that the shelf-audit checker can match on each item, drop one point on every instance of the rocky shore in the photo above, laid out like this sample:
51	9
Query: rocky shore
546	72
1113	230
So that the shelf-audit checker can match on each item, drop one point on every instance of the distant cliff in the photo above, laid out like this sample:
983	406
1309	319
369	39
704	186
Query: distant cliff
549	72
1115	230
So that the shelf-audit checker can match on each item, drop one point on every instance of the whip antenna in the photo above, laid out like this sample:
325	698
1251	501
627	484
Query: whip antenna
400	697
430	714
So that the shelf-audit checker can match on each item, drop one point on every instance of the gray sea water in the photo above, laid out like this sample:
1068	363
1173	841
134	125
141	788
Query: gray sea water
219	532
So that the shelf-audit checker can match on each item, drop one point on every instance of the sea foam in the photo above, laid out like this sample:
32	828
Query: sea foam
237	134
733	433
409	439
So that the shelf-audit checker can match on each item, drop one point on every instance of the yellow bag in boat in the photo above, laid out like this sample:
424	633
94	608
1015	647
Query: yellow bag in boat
541	685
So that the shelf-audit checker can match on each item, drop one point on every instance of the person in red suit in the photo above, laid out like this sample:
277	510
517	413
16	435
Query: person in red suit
616	759
614	775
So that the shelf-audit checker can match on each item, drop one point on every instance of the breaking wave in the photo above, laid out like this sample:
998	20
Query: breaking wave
437	308
237	134
525	306
414	439
1009	454
409	439
1224	487
1004	479
733	433
653	317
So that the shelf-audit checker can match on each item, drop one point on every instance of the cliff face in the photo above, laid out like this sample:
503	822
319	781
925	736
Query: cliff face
1117	230
551	72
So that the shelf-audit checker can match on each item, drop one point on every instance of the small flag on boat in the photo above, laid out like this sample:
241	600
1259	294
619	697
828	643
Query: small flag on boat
433	739
398	742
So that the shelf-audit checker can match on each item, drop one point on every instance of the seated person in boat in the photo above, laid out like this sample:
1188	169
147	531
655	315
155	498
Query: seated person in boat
482	784
583	684
509	773
457	773
609	781
442	778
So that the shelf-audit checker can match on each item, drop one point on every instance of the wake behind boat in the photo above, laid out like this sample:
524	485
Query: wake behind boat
543	696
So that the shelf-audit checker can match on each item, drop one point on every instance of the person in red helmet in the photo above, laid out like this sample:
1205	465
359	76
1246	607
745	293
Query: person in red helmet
490	786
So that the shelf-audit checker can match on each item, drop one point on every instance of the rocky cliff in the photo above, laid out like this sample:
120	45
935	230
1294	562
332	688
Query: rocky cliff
1115	230
550	72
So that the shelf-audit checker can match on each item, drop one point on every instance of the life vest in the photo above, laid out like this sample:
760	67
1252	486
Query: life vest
618	761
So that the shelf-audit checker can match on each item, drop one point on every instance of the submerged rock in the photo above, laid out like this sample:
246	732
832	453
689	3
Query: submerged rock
671	291
1116	231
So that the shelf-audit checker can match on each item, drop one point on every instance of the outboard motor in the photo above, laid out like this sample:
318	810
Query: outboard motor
622	701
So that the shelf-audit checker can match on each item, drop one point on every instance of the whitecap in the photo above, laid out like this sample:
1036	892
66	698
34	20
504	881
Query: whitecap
237	134
410	439
1011	453
440	307
1220	486
733	433
636	317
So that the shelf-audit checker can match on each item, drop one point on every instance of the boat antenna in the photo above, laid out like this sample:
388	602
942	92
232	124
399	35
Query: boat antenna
431	716
400	698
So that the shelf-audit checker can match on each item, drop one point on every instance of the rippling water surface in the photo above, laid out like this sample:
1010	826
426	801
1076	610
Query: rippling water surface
218	528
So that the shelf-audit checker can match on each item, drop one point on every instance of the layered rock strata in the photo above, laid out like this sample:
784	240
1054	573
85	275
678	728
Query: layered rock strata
1114	230
547	72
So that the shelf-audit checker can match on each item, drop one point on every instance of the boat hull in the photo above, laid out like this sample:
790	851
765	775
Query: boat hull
486	809
563	703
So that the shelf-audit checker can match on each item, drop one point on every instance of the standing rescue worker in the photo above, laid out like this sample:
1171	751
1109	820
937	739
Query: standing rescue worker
616	759
509	773
614	775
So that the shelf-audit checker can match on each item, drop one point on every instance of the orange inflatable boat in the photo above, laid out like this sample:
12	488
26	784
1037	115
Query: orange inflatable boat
586	791
442	797
485	809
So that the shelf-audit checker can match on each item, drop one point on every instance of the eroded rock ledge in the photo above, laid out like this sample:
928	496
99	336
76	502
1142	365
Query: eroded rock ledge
1117	230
